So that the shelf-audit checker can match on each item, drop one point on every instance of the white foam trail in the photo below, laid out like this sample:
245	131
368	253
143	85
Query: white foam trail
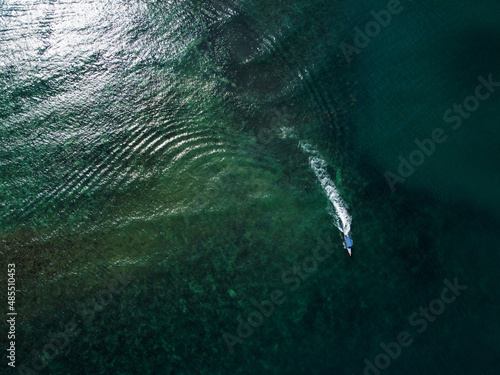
338	208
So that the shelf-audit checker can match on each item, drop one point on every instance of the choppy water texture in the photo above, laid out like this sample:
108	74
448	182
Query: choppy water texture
164	165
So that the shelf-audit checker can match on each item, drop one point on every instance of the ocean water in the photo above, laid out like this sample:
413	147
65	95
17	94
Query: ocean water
169	170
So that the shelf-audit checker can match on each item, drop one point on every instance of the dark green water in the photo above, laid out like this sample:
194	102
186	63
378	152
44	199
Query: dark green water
192	148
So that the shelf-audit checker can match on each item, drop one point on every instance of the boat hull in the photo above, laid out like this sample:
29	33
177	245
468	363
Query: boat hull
348	244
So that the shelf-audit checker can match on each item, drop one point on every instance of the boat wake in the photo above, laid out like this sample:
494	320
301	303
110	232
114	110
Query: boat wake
338	209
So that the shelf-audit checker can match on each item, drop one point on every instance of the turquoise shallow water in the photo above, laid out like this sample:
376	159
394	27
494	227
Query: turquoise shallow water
167	166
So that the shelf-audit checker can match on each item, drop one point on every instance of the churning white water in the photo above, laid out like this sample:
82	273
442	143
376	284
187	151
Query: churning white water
338	208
